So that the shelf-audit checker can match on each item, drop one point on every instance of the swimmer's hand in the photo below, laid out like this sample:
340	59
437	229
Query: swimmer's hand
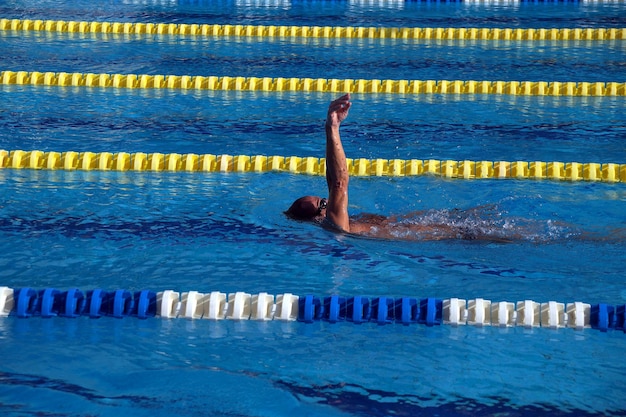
338	111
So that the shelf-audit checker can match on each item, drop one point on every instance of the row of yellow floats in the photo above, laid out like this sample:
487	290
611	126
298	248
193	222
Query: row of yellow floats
512	34
227	83
173	162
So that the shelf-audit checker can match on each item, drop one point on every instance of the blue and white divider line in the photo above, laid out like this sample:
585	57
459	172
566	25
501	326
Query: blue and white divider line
50	302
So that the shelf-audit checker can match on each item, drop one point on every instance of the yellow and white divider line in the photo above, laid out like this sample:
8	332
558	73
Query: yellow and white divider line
323	85
173	162
441	33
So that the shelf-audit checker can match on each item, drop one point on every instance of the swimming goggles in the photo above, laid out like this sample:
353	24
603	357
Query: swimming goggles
323	205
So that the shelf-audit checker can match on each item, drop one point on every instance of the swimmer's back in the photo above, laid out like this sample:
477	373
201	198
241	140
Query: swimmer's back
382	227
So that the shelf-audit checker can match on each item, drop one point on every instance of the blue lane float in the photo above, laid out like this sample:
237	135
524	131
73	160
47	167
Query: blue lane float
51	302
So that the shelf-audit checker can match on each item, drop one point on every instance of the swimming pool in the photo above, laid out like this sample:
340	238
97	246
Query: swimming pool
225	232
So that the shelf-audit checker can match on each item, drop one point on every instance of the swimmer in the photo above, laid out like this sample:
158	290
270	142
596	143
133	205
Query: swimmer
483	223
332	212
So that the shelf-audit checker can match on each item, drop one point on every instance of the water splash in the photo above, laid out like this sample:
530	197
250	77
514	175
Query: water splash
488	223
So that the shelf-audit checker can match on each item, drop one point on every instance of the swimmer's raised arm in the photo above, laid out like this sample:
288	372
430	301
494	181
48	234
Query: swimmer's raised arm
337	175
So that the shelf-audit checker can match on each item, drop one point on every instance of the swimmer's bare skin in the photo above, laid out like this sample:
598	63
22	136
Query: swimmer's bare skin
333	212
337	176
377	226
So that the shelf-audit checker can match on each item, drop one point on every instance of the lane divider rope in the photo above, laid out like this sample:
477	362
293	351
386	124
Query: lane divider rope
235	83
257	31
50	302
174	162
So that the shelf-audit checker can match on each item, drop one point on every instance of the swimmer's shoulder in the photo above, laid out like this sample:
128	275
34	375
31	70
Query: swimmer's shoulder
369	218
356	227
360	228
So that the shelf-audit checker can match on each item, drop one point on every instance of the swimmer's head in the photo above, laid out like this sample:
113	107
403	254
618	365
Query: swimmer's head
308	208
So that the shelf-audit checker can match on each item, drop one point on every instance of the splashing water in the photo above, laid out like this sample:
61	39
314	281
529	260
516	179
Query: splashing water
480	223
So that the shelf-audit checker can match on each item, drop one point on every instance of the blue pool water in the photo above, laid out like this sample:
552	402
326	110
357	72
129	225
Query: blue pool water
527	14
226	232
473	127
314	58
